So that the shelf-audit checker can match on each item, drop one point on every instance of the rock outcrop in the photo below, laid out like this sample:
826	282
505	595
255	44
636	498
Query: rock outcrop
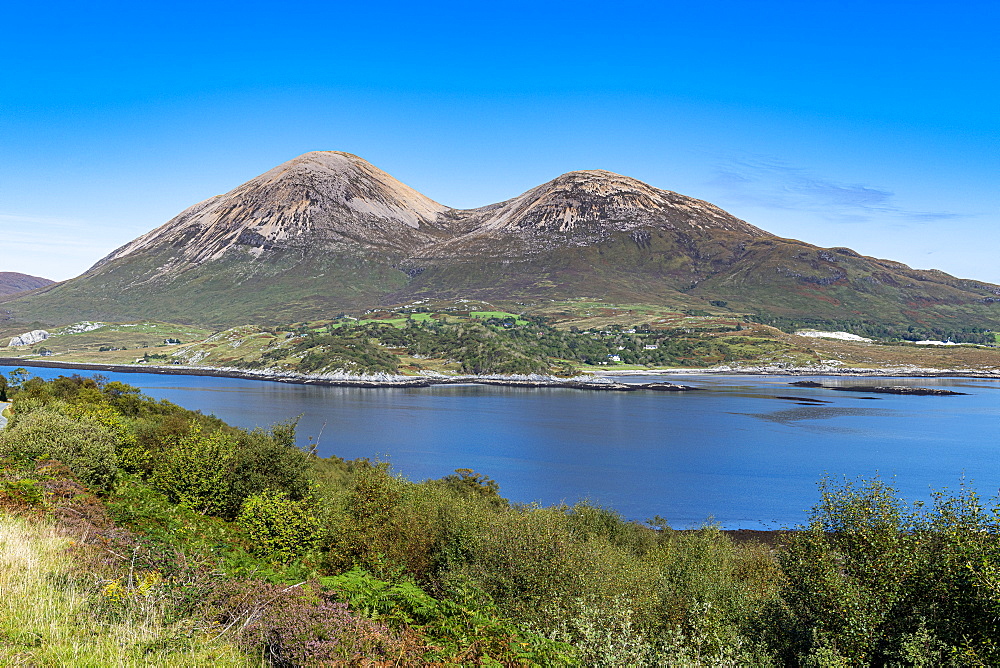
29	338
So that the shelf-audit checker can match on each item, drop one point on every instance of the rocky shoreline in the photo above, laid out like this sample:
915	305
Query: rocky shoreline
363	381
832	371
599	381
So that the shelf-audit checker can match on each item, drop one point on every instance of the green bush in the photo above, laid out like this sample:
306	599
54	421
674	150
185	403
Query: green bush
82	443
385	524
871	581
468	483
269	460
22	492
215	470
196	472
468	629
279	527
527	560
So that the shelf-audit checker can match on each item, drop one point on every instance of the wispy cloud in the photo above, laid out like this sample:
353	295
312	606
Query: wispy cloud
773	184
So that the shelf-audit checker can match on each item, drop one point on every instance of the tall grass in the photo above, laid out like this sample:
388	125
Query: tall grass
51	614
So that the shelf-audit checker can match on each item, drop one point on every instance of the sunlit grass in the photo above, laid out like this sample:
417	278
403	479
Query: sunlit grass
48	617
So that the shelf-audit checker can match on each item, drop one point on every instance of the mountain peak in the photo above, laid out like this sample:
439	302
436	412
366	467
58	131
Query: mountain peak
582	208
601	183
327	231
330	198
335	161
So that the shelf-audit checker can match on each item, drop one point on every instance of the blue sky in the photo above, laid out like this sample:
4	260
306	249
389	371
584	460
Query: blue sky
872	125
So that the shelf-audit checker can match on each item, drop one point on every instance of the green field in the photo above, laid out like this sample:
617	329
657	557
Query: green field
499	315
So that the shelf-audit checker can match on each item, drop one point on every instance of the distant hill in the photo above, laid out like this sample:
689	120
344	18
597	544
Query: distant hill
12	282
328	232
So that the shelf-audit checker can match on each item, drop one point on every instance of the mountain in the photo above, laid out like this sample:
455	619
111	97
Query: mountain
11	282
328	232
584	233
325	231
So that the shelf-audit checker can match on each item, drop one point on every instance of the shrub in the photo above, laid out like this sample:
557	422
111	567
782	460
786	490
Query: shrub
22	493
279	527
385	524
196	472
462	632
468	483
269	460
526	560
292	626
872	582
83	444
215	470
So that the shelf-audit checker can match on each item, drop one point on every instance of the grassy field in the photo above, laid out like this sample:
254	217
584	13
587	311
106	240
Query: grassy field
499	315
721	338
121	342
47	608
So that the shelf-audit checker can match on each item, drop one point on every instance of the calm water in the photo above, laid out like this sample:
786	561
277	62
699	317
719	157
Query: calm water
735	453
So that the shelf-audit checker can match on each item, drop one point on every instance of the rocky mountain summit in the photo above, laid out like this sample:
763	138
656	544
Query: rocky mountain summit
328	232
339	202
323	200
581	208
12	282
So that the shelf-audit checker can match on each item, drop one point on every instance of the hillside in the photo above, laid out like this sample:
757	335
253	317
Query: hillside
564	339
327	233
12	282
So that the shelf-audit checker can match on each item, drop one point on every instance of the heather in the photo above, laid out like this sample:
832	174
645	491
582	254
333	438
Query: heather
137	532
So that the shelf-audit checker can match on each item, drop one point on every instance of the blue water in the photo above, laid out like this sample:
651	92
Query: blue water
733	453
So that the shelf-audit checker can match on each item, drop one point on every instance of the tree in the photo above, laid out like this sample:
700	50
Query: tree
17	377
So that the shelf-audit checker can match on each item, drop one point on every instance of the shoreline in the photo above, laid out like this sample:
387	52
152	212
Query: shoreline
833	372
598	380
374	381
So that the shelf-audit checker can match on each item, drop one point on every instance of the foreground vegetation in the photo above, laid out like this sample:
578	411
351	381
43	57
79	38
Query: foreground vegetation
135	532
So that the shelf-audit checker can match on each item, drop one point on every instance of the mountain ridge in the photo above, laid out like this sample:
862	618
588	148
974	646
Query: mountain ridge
328	231
12	282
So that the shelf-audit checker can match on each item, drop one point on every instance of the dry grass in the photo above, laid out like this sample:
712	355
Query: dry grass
873	355
49	612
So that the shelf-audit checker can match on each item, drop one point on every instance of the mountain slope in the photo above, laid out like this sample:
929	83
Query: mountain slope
12	282
322	231
583	233
328	232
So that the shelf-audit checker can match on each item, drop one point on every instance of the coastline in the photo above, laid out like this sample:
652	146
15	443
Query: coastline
850	372
341	379
598	380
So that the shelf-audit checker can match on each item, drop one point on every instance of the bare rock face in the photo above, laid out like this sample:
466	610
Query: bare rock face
12	282
337	201
320	200
583	208
29	338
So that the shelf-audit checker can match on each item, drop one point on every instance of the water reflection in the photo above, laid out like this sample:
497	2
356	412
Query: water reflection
793	415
